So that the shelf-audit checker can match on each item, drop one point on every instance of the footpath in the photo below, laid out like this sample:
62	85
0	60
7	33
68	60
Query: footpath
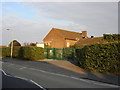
107	78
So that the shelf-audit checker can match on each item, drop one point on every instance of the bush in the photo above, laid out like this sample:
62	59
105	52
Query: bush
111	37
100	58
68	53
27	52
31	53
5	51
16	51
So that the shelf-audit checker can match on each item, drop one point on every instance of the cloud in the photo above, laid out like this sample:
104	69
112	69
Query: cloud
96	18
68	11
26	30
99	17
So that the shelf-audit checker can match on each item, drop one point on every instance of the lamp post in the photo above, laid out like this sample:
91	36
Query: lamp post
11	53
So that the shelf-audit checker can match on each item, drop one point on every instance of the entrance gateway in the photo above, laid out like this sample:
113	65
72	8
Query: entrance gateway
60	54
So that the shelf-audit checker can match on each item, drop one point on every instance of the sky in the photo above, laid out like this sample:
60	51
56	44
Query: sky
30	22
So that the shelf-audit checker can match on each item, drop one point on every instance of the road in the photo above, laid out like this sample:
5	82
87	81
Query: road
49	76
16	82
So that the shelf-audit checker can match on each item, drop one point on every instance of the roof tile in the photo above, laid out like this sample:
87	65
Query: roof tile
69	34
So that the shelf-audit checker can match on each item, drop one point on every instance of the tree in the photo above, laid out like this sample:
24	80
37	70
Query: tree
15	43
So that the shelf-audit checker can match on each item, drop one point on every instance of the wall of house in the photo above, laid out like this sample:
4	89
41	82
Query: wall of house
71	42
56	41
40	45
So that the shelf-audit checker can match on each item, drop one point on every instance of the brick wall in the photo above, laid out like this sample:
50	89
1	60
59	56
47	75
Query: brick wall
71	42
56	41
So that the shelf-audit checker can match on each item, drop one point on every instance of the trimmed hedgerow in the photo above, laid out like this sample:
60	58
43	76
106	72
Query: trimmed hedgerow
5	51
68	53
16	51
111	37
31	53
100	58
27	52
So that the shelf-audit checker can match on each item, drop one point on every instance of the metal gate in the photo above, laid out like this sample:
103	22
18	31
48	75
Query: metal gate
60	54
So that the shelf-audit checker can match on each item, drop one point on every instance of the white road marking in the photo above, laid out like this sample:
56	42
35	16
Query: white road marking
37	84
22	68
24	79
88	81
21	78
4	72
9	75
95	82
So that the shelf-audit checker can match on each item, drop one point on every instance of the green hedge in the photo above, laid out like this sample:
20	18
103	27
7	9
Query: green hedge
31	53
100	58
111	37
16	51
68	53
5	52
27	52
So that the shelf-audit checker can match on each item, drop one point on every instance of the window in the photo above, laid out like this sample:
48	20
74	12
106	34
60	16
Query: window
68	44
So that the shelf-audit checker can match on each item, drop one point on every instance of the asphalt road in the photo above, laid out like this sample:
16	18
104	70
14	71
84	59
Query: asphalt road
16	82
49	76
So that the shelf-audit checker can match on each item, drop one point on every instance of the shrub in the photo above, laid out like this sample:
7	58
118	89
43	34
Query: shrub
68	53
100	57
111	37
31	53
5	51
16	51
27	52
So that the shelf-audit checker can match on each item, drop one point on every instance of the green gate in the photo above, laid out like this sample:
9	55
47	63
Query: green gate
60	54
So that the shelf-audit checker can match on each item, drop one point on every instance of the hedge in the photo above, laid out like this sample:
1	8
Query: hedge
5	51
100	58
68	53
27	52
111	37
31	53
16	51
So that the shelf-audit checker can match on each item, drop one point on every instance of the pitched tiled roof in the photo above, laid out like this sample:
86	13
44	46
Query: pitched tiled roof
69	34
87	41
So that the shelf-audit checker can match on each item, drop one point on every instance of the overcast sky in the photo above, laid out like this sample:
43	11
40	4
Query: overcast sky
31	21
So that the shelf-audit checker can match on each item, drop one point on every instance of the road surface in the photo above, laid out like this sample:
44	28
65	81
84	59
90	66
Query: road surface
49	76
16	82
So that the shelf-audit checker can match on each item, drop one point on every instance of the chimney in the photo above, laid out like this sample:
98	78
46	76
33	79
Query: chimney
92	36
84	33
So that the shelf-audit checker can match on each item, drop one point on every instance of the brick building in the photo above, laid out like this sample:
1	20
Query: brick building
88	41
58	38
